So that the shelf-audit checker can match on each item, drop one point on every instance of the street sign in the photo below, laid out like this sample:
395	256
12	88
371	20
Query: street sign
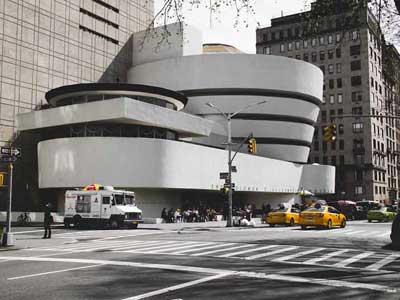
8	159
11	151
223	175
228	185
233	169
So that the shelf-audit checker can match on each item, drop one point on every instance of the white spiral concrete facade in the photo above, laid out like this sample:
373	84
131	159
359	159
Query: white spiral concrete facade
283	126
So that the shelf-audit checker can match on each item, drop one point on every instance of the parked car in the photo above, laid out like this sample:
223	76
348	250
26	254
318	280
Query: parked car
361	213
368	204
383	214
321	216
346	207
284	215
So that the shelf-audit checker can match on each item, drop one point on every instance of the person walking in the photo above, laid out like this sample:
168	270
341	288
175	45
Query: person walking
47	221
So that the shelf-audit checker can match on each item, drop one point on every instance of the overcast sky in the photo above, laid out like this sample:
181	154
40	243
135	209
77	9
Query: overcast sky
222	30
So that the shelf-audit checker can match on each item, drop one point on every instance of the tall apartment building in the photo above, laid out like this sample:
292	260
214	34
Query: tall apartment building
351	57
50	43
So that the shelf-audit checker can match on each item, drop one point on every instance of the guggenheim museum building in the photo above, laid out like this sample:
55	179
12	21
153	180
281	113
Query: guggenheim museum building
156	135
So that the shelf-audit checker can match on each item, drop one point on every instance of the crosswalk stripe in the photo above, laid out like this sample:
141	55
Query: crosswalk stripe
221	250
271	253
354	232
111	246
203	248
247	251
346	262
164	245
139	244
99	245
191	245
289	257
383	262
324	257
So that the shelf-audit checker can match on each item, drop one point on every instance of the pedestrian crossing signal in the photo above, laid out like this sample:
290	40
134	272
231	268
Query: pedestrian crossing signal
330	133
252	146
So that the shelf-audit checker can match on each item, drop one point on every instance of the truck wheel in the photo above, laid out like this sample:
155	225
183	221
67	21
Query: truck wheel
133	226
67	224
77	221
114	224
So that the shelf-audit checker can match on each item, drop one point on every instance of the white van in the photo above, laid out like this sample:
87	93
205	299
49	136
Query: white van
103	207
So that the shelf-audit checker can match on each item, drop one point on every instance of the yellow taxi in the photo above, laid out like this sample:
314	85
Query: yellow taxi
286	215
322	216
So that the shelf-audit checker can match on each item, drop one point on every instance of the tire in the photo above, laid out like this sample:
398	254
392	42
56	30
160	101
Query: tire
329	224
28	220
271	225
343	224
291	223
133	226
303	227
369	221
20	221
67	224
77	221
114	224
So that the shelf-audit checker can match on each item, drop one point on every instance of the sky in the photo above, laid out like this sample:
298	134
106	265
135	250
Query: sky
222	30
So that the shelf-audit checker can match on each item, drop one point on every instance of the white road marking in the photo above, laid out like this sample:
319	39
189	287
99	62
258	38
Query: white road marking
271	253
324	257
247	251
353	259
191	245
105	245
289	257
138	245
221	250
52	272
383	262
203	248
278	277
177	287
149	248
354	232
31	231
327	282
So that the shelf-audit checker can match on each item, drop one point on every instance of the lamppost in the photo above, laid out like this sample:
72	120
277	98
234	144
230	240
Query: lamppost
228	117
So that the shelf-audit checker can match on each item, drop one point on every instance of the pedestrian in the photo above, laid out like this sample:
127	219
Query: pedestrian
47	221
164	215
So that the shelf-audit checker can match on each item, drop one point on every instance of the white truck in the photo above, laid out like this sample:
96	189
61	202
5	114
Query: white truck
101	208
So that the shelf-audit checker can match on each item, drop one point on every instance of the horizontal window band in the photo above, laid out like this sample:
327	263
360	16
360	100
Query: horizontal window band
270	117
275	141
97	17
251	92
106	5
107	38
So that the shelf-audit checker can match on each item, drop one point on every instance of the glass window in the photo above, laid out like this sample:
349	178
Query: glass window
358	127
305	56
83	204
355	50
322	55
282	47
355	65
106	200
355	80
339	82
354	35
341	128
321	40
340	98
330	54
330	69
314	57
331	83
356	96
314	42
338	52
305	44
330	39
341	144
331	99
338	37
267	50
297	45
289	46
338	68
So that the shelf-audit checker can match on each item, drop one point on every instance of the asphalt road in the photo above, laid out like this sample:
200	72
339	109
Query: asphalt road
203	262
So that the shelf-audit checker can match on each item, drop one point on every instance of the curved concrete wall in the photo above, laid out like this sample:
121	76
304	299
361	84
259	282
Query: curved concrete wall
166	164
292	89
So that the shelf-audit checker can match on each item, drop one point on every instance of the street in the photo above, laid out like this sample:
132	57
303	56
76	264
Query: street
202	261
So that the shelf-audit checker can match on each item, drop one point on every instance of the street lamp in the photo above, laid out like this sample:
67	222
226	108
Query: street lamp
228	117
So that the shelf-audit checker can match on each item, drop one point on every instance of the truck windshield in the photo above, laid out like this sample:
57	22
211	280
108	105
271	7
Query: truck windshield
129	199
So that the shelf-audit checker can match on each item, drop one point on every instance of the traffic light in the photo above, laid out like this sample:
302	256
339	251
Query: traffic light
330	133
225	190
2	174
252	146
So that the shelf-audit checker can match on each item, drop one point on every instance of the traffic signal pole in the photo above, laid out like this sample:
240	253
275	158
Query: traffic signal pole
230	194
8	237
